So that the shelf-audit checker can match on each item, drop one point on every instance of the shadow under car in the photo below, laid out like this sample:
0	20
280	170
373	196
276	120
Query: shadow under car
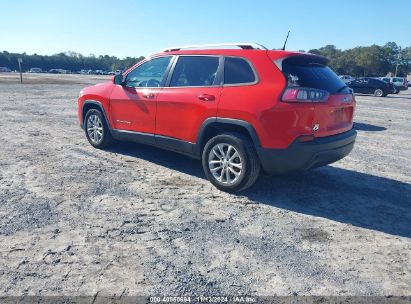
341	195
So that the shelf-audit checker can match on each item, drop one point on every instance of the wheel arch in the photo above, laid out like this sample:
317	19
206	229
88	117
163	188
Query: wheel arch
93	104
214	126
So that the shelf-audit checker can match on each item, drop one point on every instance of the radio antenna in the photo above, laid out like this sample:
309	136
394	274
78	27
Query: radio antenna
285	42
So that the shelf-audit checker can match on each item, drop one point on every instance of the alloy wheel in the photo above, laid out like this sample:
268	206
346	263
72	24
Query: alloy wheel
225	163
95	128
379	93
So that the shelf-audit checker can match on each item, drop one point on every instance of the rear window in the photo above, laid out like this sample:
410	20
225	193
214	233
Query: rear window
237	71
309	73
194	71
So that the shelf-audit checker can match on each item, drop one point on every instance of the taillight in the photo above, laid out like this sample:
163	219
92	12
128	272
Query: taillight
304	95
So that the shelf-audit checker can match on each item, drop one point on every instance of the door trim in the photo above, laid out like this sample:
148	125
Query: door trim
139	137
181	146
164	142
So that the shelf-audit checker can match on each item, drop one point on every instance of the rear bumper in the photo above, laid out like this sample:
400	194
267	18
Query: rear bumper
301	156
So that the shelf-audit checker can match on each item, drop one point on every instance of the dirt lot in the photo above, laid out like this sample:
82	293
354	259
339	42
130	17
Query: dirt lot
136	220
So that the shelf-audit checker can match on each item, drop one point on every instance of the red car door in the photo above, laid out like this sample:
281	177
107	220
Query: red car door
133	104
191	97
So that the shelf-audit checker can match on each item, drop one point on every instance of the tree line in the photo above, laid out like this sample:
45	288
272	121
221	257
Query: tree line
371	60
70	61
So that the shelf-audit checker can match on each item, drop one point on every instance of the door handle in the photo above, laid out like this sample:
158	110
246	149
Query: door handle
148	95
206	97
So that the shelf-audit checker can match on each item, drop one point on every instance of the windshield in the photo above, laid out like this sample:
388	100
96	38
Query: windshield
313	75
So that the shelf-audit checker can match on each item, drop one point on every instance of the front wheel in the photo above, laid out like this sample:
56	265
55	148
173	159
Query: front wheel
379	93
96	128
230	162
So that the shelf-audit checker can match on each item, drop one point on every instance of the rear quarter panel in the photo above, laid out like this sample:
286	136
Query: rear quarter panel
277	123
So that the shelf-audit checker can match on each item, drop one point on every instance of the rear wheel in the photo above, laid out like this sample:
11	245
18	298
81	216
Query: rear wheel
96	128
379	93
230	162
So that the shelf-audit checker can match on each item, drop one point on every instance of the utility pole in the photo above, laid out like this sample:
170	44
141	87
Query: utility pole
20	60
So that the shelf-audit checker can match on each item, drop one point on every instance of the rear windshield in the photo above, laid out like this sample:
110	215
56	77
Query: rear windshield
312	75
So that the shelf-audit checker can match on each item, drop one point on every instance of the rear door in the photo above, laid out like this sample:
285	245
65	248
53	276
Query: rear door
333	116
362	86
191	95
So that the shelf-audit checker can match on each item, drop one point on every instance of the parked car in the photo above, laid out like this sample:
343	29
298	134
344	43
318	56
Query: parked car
59	71
400	83
368	85
389	80
35	70
238	110
4	70
346	78
100	72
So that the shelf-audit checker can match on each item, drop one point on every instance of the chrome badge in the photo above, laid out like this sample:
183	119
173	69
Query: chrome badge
316	127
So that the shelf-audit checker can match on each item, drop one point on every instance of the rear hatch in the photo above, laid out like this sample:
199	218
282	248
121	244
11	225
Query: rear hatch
311	80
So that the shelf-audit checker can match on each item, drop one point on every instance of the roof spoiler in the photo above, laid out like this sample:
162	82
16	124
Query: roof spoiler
302	59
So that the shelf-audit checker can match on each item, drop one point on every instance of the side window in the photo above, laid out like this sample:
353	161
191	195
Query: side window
195	71
237	71
149	74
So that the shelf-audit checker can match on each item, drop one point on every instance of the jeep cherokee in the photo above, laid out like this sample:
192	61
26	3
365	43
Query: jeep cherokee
239	108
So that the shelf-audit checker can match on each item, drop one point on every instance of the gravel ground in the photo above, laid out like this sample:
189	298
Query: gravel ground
136	220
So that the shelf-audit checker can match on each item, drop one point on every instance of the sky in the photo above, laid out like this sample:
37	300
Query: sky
140	28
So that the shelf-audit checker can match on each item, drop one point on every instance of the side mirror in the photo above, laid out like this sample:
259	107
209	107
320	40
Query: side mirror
118	79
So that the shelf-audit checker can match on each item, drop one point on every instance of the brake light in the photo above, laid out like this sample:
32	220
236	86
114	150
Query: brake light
304	95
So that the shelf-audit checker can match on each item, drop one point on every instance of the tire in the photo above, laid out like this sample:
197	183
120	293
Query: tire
379	93
243	170
99	137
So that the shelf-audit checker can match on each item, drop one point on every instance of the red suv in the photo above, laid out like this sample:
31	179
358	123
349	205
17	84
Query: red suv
238	110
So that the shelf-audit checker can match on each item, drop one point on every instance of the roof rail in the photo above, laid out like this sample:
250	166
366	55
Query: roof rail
244	46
